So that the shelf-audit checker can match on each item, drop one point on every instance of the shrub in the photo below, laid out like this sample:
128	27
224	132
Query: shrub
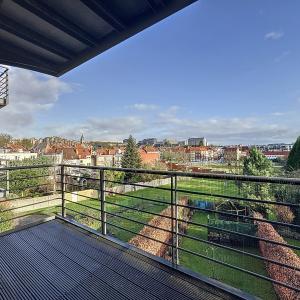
284	214
280	254
5	215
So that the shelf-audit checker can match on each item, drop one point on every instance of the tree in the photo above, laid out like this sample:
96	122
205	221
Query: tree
34	181
293	162
290	193
4	139
257	165
131	159
26	143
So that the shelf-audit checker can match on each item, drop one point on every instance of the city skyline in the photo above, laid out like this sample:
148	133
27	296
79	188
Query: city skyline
171	82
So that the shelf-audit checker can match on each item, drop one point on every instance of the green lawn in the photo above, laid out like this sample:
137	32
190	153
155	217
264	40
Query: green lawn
225	274
294	243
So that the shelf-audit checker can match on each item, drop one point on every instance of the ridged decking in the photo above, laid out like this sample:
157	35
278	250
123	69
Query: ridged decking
56	260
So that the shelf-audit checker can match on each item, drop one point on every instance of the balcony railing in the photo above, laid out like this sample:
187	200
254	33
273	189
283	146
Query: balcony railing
237	229
3	86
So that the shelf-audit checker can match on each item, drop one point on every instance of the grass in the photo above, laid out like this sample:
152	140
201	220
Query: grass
225	274
294	243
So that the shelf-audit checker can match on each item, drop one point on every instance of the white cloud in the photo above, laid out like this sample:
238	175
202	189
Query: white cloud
278	114
282	56
170	124
29	93
104	129
143	106
274	35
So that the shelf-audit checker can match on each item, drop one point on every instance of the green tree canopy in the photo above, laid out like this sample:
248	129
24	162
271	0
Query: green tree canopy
256	164
4	139
131	158
30	182
293	162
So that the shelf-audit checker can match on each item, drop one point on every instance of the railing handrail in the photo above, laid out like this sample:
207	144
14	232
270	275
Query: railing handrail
250	178
233	177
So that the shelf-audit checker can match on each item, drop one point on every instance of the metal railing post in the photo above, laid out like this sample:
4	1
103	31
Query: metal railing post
62	187
174	219
102	201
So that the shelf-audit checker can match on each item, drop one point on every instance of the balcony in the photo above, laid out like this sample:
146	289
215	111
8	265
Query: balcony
3	86
92	233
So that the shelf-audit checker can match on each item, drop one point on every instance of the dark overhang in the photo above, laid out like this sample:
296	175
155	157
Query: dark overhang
55	36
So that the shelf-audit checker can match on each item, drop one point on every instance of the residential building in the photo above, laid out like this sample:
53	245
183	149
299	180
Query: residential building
149	141
232	154
149	155
197	141
16	156
273	155
109	157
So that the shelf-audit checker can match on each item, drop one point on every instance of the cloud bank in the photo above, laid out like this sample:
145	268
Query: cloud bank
31	93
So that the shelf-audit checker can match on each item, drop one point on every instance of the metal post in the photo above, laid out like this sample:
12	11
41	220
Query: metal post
102	201
7	183
173	220
176	242
62	185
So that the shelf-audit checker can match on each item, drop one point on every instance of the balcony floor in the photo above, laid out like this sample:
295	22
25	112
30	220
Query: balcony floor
57	260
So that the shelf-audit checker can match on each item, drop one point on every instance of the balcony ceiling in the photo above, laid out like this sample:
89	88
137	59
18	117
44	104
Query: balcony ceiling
55	36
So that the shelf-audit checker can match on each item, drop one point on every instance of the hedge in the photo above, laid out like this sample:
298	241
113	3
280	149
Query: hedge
281	254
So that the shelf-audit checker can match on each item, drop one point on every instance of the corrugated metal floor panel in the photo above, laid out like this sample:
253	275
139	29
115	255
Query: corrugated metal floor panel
56	260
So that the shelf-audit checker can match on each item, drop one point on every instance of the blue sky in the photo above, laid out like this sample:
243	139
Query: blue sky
228	70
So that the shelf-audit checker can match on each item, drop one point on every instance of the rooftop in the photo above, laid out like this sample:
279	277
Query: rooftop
54	37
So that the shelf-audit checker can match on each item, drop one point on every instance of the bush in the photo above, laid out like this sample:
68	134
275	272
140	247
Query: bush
284	214
5	215
280	254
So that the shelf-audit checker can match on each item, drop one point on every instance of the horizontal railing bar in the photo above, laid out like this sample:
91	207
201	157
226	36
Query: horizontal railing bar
25	197
139	184
26	167
239	251
35	186
240	234
155	240
32	204
126	195
83	205
138	209
237	198
81	186
138	197
122	217
240	269
139	222
18	217
240	216
83	214
24	178
91	198
281	180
